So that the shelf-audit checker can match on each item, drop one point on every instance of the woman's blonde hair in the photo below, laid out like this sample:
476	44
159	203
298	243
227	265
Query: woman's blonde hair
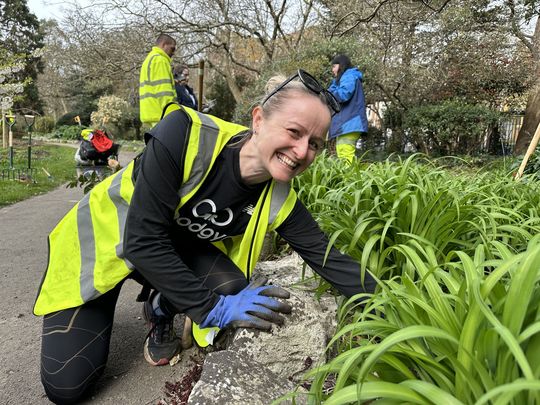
274	103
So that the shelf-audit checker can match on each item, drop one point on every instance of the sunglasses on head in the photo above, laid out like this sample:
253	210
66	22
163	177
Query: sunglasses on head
313	85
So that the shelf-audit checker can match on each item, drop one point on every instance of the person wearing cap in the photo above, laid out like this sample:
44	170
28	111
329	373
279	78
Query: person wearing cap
350	123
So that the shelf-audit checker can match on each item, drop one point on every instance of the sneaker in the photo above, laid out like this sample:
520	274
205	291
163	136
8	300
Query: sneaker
161	343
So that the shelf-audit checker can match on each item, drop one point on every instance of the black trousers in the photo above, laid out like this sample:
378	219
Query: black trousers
75	341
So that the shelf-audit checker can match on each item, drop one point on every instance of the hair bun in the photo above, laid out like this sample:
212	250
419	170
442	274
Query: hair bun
273	83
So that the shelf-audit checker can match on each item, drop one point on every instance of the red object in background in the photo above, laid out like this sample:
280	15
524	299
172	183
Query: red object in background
101	141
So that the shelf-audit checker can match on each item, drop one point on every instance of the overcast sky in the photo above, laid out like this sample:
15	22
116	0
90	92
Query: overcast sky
46	8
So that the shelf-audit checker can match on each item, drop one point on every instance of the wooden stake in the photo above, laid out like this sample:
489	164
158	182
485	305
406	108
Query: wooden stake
201	84
4	129
530	151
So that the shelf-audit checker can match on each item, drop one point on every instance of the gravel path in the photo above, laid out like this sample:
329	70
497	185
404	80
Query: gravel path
128	378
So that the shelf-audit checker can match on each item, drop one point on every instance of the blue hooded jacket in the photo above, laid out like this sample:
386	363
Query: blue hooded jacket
350	94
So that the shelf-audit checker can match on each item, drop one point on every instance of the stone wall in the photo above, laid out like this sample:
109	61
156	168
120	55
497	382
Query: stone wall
258	367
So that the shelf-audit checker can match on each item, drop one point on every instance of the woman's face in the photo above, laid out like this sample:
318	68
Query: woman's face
289	139
335	69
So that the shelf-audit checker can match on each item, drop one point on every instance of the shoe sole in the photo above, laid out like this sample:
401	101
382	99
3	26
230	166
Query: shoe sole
187	338
160	362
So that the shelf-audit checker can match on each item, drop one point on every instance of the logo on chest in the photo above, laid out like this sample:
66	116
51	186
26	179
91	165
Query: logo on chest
206	211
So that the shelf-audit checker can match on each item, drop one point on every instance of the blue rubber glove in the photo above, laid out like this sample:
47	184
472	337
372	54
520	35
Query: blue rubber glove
252	307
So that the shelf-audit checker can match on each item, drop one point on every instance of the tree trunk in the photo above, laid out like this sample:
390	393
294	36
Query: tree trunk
64	106
530	121
233	87
532	111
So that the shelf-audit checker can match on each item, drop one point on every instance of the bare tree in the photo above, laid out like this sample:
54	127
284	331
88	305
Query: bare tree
56	60
235	37
426	51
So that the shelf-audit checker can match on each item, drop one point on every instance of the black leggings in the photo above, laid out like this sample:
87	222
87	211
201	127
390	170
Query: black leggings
75	341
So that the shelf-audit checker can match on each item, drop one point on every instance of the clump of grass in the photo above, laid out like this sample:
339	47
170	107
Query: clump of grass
365	209
455	319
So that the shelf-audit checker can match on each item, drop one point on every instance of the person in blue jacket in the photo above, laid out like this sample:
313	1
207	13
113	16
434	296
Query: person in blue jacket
351	122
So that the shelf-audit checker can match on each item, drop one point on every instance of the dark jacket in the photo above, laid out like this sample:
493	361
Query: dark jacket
152	210
350	94
184	94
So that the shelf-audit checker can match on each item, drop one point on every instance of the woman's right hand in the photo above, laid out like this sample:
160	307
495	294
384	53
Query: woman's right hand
253	307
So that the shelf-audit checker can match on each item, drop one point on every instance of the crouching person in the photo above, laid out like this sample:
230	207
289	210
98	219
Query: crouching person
187	219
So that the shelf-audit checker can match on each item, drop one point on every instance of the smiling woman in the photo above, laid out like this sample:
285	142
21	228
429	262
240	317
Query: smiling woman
187	219
283	145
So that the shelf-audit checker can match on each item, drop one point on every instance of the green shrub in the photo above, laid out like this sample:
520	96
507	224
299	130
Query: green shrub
372	144
225	102
116	117
110	110
393	120
450	128
44	125
68	132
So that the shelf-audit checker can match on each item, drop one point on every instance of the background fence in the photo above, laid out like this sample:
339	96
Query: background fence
509	127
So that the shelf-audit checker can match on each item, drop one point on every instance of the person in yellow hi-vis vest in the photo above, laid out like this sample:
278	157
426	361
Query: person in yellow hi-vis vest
156	82
187	219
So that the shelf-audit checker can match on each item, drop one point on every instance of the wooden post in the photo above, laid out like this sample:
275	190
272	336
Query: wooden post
530	151
29	120
10	120
201	84
4	129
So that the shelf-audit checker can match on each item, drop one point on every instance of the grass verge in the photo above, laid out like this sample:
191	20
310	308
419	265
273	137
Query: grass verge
56	160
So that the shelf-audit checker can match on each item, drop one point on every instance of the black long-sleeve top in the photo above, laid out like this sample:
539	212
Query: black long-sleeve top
220	209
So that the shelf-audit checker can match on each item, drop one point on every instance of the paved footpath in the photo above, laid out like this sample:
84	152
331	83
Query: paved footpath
128	379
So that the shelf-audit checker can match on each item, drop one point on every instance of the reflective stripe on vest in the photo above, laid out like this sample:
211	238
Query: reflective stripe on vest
205	140
205	144
279	196
80	263
247	247
157	95
87	237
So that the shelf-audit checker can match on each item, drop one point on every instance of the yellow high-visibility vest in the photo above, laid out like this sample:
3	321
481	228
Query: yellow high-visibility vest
156	86
86	257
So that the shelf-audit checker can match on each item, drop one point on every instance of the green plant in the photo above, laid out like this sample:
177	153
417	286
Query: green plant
455	318
225	102
88	181
449	128
462	331
110	110
113	114
44	124
68	132
69	118
533	164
